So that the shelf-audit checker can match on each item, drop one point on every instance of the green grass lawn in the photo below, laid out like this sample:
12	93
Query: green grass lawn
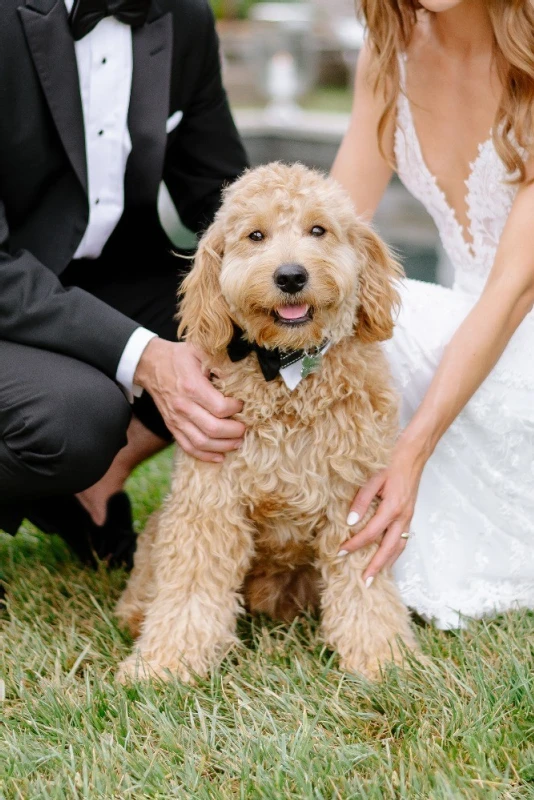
329	98
333	99
279	720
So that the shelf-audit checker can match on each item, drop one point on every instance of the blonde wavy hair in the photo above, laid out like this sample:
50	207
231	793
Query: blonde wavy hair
390	25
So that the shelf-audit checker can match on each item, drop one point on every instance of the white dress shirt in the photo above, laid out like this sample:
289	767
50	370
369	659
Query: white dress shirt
105	64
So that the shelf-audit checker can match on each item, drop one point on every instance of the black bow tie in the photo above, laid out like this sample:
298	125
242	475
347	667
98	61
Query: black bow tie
86	14
270	361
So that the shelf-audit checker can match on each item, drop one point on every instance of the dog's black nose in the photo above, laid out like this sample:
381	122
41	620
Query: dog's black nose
291	278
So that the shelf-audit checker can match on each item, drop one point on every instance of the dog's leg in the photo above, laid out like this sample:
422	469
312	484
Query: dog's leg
367	626
130	610
200	555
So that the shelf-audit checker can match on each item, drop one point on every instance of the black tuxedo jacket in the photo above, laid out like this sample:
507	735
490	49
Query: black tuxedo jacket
43	173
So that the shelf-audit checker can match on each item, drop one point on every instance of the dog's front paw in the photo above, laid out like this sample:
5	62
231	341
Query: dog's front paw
372	665
135	669
372	670
130	618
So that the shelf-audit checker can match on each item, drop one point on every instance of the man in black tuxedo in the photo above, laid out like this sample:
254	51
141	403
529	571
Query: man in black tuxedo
100	101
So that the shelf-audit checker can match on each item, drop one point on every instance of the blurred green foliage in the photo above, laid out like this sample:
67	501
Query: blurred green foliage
231	9
236	9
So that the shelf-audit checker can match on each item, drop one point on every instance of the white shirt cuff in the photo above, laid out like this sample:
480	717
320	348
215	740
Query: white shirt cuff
131	355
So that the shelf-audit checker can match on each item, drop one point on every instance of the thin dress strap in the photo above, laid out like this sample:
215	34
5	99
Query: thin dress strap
404	120
402	73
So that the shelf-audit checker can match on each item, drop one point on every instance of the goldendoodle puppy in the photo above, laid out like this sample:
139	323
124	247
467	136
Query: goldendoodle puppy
289	298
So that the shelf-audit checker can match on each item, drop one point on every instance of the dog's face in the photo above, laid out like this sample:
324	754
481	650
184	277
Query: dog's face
289	272
289	262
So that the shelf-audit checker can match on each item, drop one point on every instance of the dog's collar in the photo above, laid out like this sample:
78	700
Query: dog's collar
291	365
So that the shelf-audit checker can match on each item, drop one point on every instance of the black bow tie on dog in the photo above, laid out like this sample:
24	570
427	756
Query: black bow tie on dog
86	14
271	361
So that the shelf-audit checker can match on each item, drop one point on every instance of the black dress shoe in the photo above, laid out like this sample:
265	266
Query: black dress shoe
113	542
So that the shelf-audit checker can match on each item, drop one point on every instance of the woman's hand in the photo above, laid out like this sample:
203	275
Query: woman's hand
397	488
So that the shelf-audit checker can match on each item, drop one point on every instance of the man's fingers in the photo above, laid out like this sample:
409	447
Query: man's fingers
213	427
363	499
201	442
390	549
202	391
188	448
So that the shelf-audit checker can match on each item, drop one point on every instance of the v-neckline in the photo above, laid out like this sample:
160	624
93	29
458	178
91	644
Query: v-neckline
461	229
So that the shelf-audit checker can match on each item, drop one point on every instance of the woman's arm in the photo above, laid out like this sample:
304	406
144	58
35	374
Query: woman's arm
468	359
359	165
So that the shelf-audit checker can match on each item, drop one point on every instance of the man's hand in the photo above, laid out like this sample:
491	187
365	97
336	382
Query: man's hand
193	410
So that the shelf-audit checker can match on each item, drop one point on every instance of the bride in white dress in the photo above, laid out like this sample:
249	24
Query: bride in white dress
459	75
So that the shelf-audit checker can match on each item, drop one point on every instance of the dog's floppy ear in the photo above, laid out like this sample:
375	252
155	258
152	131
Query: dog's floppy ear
204	314
379	296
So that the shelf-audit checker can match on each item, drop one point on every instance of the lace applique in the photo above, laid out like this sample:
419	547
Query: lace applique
422	184
489	198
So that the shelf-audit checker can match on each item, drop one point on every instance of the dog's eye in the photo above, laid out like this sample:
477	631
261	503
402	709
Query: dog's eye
256	236
318	230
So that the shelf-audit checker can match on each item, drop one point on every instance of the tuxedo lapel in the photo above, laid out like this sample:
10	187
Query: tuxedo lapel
52	47
149	106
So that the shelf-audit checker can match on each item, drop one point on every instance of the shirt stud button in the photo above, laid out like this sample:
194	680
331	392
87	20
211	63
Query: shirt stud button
97	201
100	133
104	60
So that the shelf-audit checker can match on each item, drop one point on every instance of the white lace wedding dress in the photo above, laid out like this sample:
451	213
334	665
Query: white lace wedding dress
473	552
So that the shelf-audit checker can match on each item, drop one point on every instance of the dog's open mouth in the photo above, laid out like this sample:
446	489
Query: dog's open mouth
293	314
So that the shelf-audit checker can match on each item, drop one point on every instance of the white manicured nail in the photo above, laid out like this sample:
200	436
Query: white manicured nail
343	553
368	582
353	518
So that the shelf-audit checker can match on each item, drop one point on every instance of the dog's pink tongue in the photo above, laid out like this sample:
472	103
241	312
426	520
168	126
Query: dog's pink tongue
292	312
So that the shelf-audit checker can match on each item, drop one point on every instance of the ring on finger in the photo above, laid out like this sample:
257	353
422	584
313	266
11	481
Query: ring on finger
407	534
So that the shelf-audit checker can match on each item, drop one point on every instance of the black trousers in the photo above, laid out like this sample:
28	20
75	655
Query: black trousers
62	421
